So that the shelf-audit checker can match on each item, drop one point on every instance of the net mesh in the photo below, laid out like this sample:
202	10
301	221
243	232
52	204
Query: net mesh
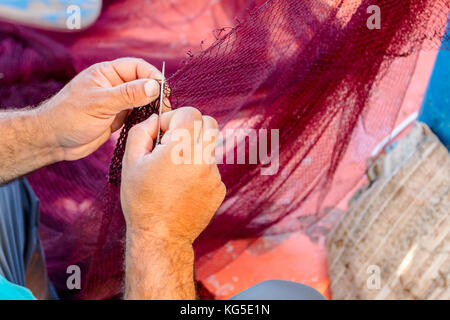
312	69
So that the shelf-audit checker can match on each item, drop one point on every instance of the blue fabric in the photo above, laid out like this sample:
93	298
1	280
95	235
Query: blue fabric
19	216
435	109
10	291
279	290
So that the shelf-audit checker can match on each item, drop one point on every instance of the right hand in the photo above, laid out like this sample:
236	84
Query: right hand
160	198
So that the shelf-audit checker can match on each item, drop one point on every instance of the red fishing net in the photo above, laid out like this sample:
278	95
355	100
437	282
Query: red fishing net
311	69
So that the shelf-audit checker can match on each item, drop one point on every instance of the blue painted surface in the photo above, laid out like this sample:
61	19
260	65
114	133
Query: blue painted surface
23	4
436	105
20	4
56	9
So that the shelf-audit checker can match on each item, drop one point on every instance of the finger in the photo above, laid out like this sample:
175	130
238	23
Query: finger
140	139
129	69
179	118
209	133
182	118
167	106
119	120
133	94
210	128
186	118
166	118
87	149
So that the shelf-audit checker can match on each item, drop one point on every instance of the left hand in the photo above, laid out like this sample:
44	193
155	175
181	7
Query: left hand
82	116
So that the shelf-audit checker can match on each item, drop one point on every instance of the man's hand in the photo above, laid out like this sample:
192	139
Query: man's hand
180	199
167	205
82	116
78	119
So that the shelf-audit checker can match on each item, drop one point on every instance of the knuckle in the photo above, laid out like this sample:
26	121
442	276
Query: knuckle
211	120
120	59
97	70
96	66
191	112
99	66
93	70
128	93
222	190
216	178
123	59
205	171
140	60
132	60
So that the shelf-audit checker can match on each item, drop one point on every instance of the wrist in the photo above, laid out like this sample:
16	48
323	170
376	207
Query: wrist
47	137
138	239
158	268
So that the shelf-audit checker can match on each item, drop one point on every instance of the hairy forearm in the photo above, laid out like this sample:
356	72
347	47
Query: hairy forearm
158	270
25	145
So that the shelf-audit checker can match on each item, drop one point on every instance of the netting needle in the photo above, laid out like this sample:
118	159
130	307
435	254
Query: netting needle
161	98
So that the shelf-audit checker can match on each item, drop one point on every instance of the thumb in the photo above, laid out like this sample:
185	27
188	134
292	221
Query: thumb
133	94
140	139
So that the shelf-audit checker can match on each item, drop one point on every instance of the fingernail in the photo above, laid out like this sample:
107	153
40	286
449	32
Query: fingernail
151	88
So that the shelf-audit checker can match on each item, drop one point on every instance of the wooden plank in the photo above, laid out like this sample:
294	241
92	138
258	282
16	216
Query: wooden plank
400	225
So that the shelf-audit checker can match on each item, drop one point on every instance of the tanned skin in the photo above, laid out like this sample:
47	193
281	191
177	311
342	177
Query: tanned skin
24	147
166	204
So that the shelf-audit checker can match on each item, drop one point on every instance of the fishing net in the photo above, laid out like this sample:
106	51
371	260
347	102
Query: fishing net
316	71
